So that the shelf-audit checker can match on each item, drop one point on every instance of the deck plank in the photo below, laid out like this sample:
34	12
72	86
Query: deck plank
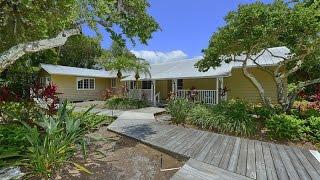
232	166
197	147
303	174
242	162
292	173
205	150
218	155
271	171
251	161
197	170
260	164
312	159
227	154
185	141
189	144
214	149
310	169
281	171
173	139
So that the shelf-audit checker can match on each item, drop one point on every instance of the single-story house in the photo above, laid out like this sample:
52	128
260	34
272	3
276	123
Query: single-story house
77	84
179	78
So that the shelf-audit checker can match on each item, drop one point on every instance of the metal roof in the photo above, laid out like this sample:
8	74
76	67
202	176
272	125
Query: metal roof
74	71
182	69
186	69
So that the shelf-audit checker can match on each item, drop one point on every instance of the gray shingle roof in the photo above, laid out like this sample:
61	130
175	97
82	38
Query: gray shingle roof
74	71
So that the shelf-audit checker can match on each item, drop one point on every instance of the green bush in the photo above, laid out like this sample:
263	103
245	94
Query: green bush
19	110
13	142
265	112
125	103
314	129
179	109
53	140
92	121
230	116
285	127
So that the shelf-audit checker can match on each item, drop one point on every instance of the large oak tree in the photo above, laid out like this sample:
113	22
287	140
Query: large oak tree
28	26
253	28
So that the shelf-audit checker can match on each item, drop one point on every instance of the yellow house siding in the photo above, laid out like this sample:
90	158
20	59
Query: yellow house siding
162	86
67	85
204	83
241	87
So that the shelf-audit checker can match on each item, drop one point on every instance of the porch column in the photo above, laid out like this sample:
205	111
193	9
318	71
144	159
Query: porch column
221	87
174	86
154	93
217	90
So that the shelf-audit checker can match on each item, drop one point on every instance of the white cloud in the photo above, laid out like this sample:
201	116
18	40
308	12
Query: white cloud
158	56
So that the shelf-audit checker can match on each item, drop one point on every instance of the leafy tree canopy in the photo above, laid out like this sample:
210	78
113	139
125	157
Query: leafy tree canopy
253	28
29	20
79	51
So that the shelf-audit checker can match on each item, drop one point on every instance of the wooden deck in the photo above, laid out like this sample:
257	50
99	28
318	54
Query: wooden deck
247	158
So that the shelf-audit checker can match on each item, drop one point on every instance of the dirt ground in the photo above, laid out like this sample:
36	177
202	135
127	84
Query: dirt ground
111	156
87	104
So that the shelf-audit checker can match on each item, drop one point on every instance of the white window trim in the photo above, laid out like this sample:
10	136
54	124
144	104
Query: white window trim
115	83
83	78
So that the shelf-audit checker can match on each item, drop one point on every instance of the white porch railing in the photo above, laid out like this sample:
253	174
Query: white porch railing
141	94
205	96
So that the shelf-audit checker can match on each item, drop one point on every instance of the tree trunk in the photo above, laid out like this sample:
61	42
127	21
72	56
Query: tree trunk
14	53
282	97
256	83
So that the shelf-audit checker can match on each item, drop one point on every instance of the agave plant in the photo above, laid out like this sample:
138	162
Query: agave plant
53	141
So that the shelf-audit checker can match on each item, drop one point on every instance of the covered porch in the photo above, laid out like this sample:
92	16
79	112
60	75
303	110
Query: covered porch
209	90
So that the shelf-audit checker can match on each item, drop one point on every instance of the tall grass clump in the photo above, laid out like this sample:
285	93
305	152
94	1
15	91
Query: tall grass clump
179	109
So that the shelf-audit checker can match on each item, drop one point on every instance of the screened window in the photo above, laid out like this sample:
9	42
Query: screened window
85	83
132	84
180	84
146	84
113	82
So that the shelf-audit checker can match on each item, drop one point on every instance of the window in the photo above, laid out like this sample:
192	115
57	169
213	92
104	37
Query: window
180	84
146	84
113	83
85	83
132	85
44	81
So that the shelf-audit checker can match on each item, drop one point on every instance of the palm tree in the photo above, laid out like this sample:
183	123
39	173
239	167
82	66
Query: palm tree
118	59
141	66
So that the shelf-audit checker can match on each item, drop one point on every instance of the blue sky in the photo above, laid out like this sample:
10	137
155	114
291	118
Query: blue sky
187	26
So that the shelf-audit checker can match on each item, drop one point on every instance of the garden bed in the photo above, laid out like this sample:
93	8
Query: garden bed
117	157
243	119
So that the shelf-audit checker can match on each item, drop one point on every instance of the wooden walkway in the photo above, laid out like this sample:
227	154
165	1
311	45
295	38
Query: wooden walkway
248	158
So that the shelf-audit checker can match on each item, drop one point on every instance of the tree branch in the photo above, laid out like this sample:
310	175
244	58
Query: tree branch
255	82
10	56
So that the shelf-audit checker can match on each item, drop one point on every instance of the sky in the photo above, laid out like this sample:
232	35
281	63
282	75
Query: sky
187	26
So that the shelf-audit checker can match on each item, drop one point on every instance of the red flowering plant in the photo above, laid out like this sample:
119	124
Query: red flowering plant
46	96
310	99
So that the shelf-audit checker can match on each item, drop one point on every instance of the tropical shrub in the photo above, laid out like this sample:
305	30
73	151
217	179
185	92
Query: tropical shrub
201	116
313	124
125	103
23	110
92	121
13	142
285	127
237	117
53	140
264	112
179	109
